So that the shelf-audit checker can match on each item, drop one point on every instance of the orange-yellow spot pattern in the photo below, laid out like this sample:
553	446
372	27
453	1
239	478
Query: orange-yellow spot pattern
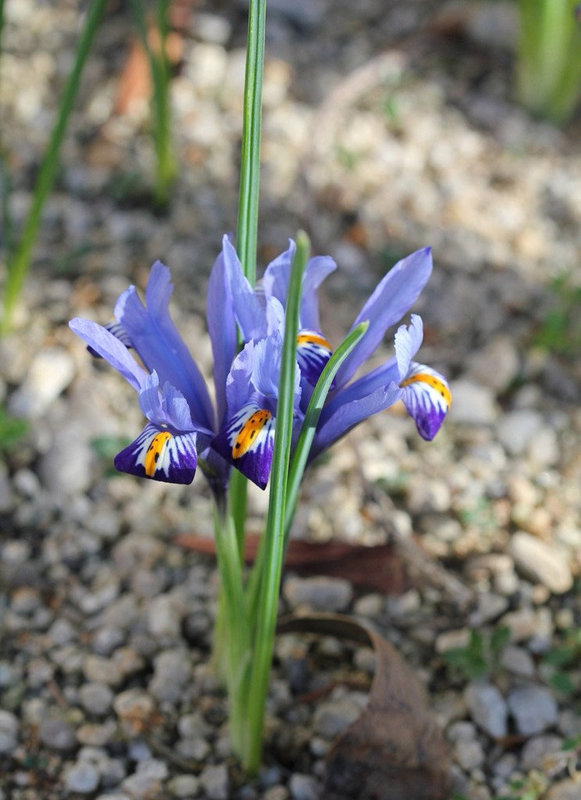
436	384
154	451
313	338
249	432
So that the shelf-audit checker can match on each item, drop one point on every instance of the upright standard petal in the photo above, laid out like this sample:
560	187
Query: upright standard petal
392	298
277	276
161	455
158	343
221	327
248	309
109	347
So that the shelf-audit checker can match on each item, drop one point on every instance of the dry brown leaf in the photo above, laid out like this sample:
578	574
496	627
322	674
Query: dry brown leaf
394	750
378	568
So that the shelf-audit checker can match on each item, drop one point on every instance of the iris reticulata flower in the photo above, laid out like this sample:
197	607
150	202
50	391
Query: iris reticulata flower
184	429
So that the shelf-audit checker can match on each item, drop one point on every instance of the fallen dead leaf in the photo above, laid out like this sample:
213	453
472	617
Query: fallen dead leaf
394	750
379	568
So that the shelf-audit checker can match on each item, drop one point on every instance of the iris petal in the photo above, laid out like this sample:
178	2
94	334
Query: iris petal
158	343
161	455
426	395
392	298
247	442
111	349
313	352
221	326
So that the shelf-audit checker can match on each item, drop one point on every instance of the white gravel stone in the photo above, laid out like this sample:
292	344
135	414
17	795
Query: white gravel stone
50	372
541	561
215	782
184	786
535	751
333	716
8	732
82	778
533	708
487	708
496	365
303	787
516	430
518	661
319	593
473	404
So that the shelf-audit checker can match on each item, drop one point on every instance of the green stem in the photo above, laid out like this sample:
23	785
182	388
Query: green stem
165	166
247	232
274	534
232	629
247	229
19	266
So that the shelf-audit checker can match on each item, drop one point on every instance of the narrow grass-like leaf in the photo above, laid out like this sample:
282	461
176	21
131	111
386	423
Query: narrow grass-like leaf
309	427
274	533
247	231
166	170
19	265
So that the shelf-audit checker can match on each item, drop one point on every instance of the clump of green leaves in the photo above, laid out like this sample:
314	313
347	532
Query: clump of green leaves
561	660
480	656
561	330
12	431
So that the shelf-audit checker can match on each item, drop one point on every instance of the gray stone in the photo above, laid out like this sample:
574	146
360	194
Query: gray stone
518	661
147	780
303	787
215	782
468	753
102	670
96	698
516	430
184	786
66	468
487	708
490	606
57	734
134	708
82	777
496	365
173	669
569	789
50	372
533	708
319	593
165	616
541	561
537	749
8	732
333	716
472	404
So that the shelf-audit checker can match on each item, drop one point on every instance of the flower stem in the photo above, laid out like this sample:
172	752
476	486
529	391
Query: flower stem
19	265
247	231
274	533
232	643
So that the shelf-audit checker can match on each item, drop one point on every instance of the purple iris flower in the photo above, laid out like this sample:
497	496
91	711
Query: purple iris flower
172	392
246	438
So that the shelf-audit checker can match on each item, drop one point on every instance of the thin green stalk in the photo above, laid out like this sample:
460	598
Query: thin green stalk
247	229
247	232
165	166
234	644
307	434
19	266
274	534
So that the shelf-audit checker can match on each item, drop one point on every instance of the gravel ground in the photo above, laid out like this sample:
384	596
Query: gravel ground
385	129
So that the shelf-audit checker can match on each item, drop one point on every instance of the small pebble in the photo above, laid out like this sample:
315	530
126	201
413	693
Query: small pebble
533	708
82	777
